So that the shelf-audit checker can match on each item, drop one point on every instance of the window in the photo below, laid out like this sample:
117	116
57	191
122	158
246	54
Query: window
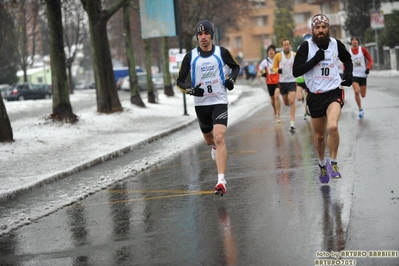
262	20
301	17
259	3
238	42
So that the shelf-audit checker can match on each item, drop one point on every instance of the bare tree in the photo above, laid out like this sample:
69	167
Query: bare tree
26	31
223	14
135	97
62	109
6	134
8	58
74	23
107	95
168	89
148	64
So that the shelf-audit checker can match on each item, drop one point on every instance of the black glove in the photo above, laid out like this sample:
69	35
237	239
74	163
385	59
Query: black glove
264	74
197	91
229	83
367	71
346	79
319	56
280	71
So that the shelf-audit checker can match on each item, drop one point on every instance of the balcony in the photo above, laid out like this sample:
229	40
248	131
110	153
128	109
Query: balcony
260	30
336	19
319	2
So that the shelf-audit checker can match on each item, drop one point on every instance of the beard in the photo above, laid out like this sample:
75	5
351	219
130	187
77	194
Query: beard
321	40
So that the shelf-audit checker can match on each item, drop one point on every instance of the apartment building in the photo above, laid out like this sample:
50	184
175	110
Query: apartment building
257	31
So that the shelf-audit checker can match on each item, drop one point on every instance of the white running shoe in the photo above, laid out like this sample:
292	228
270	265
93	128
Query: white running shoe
220	188
292	125
213	153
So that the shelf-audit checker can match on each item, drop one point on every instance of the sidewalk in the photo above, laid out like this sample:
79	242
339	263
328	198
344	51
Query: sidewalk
384	73
44	152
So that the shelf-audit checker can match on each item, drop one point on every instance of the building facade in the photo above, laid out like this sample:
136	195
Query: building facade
257	30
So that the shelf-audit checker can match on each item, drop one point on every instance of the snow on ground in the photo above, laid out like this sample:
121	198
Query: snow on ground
43	149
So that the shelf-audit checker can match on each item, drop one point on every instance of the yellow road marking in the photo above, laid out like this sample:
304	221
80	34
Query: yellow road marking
182	193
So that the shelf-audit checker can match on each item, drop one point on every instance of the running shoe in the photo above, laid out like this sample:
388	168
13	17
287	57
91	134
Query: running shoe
361	113
213	153
324	175
220	188
335	174
292	125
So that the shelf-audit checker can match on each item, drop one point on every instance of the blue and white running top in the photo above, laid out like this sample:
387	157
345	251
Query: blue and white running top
209	70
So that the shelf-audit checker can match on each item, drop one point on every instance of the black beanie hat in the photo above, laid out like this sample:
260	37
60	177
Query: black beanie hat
204	25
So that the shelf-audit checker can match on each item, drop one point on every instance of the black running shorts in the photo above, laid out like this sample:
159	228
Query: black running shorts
361	81
286	87
271	88
317	104
210	115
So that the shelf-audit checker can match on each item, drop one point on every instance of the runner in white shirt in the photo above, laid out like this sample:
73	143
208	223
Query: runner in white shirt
209	87
317	59
283	62
362	63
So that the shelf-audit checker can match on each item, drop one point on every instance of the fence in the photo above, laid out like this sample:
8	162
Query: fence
387	58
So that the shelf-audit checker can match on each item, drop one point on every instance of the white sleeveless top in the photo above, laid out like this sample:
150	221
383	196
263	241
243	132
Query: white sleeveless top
209	72
324	76
359	64
286	65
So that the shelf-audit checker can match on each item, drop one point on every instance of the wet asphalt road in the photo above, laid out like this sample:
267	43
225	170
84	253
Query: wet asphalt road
275	211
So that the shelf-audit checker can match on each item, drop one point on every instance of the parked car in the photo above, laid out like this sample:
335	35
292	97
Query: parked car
157	80
46	87
81	85
119	83
5	89
26	91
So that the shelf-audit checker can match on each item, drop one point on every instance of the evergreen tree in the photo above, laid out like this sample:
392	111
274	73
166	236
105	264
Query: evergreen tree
358	16
390	33
284	24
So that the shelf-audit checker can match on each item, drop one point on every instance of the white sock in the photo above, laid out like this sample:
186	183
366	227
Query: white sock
322	163
221	179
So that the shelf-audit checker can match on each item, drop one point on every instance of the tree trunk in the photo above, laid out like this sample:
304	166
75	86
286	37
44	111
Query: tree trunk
107	94
62	109
168	89
150	85
69	77
135	97
6	134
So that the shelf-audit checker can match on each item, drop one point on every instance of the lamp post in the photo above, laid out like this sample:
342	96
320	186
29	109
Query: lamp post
376	41
178	30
